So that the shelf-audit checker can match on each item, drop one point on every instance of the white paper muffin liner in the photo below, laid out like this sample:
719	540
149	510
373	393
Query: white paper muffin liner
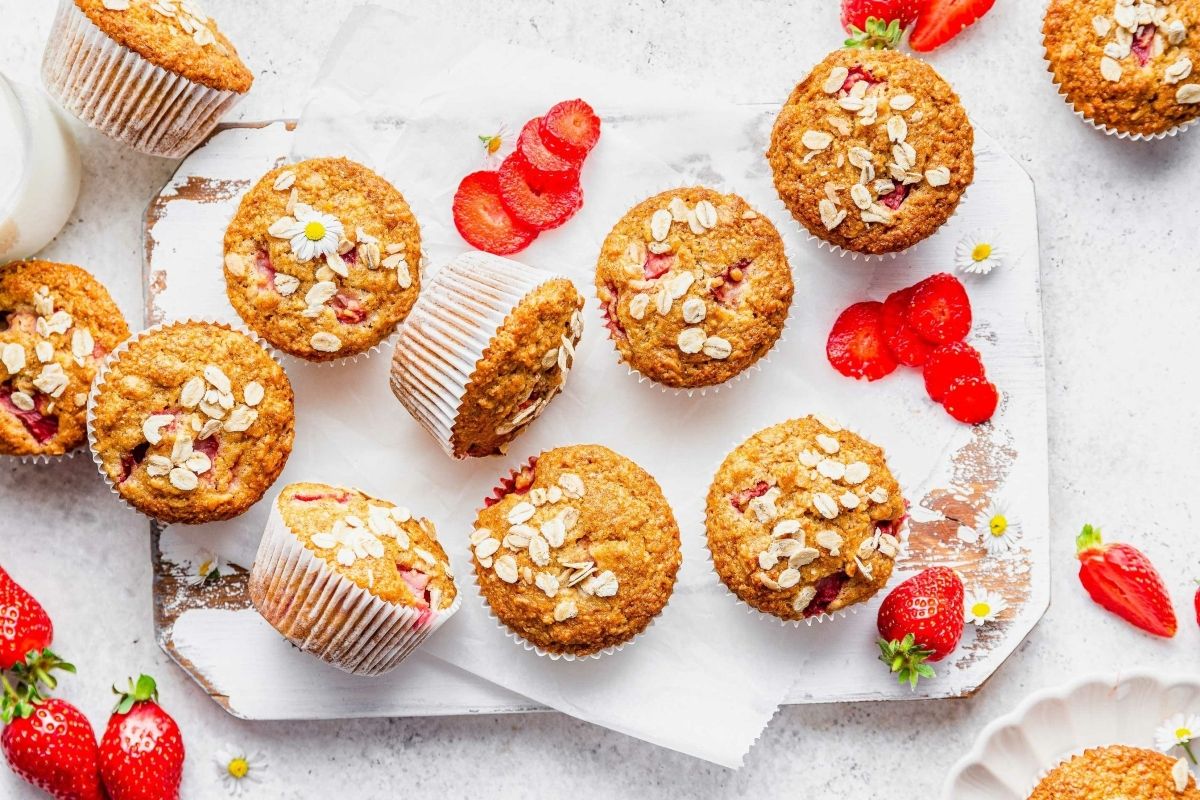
43	459
122	94
902	534
102	374
447	332
303	598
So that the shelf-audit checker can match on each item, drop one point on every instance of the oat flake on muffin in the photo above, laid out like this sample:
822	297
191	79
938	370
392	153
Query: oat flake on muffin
1119	773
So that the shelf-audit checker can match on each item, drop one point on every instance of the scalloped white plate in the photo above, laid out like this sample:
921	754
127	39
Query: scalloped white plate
1013	752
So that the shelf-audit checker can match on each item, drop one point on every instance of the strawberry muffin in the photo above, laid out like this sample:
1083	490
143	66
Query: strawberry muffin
577	552
696	287
157	75
872	152
357	581
1126	66
488	346
322	259
1119	772
57	324
191	422
804	518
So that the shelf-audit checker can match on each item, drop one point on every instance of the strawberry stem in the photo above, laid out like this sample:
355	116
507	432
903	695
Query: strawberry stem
906	659
876	34
145	689
1088	539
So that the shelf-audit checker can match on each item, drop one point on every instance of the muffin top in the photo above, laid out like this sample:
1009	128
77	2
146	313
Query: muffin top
322	258
1127	65
578	551
379	546
175	35
803	519
192	422
58	325
696	287
873	151
1119	773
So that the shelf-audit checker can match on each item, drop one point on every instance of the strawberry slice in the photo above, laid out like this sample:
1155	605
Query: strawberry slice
1122	580
537	208
942	20
971	400
940	310
856	346
948	363
543	168
910	349
570	129
482	220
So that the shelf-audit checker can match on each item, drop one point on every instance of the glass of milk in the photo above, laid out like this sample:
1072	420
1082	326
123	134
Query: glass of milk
39	170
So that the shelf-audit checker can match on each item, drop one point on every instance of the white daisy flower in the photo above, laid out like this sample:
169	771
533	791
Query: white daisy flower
998	529
311	233
496	145
981	606
1178	731
206	567
238	769
978	255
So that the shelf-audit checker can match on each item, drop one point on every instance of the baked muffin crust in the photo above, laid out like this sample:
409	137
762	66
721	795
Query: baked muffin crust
1117	773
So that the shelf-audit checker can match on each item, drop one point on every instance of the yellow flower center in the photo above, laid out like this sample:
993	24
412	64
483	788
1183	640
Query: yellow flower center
493	145
205	568
998	525
314	231
981	609
982	252
239	768
1183	735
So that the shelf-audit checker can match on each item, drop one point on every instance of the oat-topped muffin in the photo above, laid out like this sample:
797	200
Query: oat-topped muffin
696	287
1119	773
154	74
488	346
578	551
873	151
1127	65
355	580
191	422
804	519
57	323
322	259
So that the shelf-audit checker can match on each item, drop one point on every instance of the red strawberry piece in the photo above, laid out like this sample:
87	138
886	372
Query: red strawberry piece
1122	580
347	307
971	400
828	589
920	622
940	309
1143	43
612	320
948	363
858	74
265	269
543	168
534	207
658	264
570	129
24	625
417	581
519	481
732	283
39	423
741	500
895	198
942	20
855	13
909	348
141	752
483	221
857	347
51	744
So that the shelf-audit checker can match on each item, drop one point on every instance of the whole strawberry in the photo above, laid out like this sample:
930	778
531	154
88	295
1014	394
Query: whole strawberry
24	624
1122	580
50	744
921	621
141	752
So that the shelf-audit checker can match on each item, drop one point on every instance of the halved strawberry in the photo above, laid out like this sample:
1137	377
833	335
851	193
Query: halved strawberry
483	221
540	209
942	20
570	129
910	349
856	346
543	168
948	363
940	309
971	400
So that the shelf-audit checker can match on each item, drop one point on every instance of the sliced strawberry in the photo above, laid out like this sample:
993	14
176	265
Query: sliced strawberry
948	363
910	349
741	500
543	168
658	264
942	20
41	425
347	307
1142	45
940	309
540	209
856	346
483	221
971	400
570	129
895	198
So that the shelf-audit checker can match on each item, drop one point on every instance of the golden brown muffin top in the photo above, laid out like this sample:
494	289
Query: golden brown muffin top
322	258
378	545
1128	66
173	34
193	422
57	324
803	519
873	151
580	553
696	286
1119	773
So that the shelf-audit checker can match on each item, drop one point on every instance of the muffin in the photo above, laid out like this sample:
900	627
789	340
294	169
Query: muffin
191	422
695	285
1119	773
357	581
156	75
488	346
58	324
872	152
322	259
1126	67
803	519
576	553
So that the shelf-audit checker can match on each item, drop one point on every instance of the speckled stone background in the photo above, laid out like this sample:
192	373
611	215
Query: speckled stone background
1118	224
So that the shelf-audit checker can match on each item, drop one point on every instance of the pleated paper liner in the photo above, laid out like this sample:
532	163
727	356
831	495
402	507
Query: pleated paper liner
43	459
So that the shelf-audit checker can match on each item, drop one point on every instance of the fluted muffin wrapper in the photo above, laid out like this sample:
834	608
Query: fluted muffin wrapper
123	95
326	614
447	332
42	459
